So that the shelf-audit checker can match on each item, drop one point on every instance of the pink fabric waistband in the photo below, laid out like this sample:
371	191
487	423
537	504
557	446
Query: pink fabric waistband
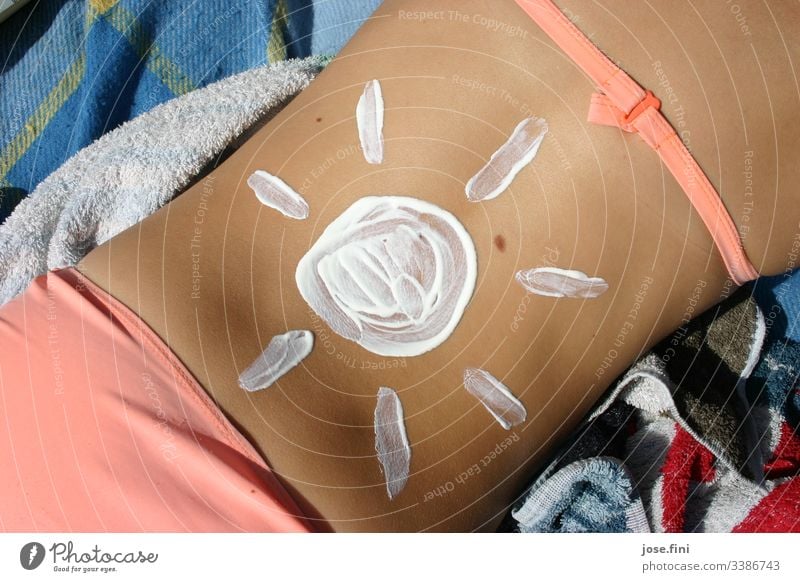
621	102
104	429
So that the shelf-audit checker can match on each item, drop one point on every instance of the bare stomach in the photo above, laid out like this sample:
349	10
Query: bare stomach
214	272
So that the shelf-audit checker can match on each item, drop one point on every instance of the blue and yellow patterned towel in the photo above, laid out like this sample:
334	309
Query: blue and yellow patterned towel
73	70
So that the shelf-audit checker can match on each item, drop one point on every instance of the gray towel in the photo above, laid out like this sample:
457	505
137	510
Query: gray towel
132	171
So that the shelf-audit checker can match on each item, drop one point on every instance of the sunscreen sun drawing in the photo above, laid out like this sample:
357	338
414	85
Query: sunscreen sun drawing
392	273
395	274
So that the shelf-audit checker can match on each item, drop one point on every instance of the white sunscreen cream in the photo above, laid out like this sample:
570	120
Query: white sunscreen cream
277	194
369	117
283	353
505	163
392	273
554	282
391	441
495	396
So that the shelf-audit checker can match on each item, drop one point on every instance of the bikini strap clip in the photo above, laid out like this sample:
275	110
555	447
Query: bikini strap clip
604	111
649	100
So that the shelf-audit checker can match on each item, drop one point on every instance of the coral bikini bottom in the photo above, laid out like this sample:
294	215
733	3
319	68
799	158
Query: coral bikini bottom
103	429
621	102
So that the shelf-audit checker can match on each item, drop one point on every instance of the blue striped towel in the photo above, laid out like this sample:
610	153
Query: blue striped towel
73	70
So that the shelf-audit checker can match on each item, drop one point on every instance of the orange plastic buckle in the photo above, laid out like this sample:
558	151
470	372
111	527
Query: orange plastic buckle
648	101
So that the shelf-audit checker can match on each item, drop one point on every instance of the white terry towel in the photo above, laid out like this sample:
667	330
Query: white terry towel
132	171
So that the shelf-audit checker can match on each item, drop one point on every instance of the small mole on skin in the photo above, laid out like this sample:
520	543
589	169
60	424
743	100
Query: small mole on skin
319	119
500	242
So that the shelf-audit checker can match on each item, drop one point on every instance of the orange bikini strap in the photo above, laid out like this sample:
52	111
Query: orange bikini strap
621	102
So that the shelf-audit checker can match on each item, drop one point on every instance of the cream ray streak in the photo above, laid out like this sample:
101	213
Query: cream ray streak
506	162
391	441
555	282
391	273
369	118
277	194
282	354
495	396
